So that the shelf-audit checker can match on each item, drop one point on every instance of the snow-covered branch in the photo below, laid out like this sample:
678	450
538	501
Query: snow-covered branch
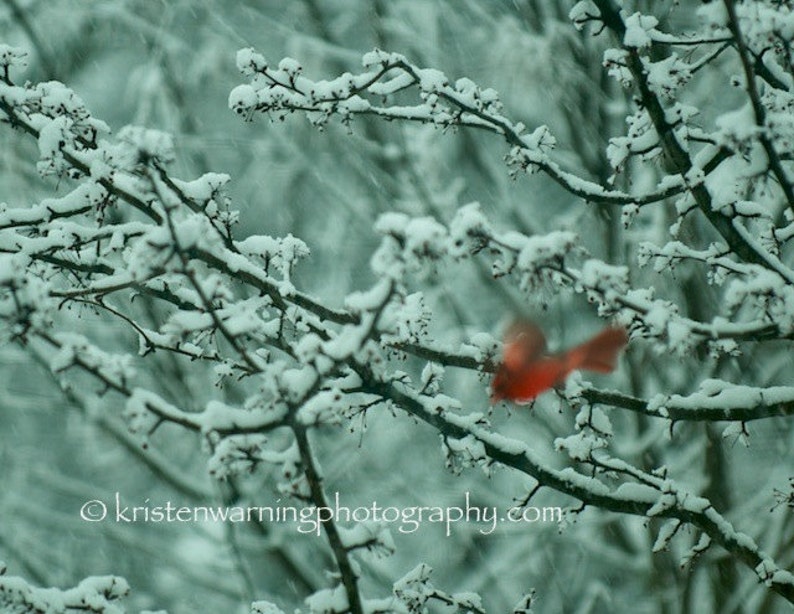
97	594
283	90
152	306
650	496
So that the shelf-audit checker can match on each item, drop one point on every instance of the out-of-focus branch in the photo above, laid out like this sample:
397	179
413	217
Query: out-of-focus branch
47	63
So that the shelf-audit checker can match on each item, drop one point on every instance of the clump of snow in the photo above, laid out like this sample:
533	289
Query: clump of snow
639	30
580	446
12	56
468	230
242	99
149	144
250	62
328	601
582	12
265	607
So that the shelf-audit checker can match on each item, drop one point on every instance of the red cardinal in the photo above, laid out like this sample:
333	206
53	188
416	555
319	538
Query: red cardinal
526	371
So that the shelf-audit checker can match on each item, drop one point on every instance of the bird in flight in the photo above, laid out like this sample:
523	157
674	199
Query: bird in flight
527	370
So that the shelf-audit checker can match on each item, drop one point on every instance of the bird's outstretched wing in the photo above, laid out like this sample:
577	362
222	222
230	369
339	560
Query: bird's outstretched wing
524	343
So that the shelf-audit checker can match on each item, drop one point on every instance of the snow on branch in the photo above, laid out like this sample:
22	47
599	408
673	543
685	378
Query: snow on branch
671	131
282	90
644	495
556	261
99	594
160	258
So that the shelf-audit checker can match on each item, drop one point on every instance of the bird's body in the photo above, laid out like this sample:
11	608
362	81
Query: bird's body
526	371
